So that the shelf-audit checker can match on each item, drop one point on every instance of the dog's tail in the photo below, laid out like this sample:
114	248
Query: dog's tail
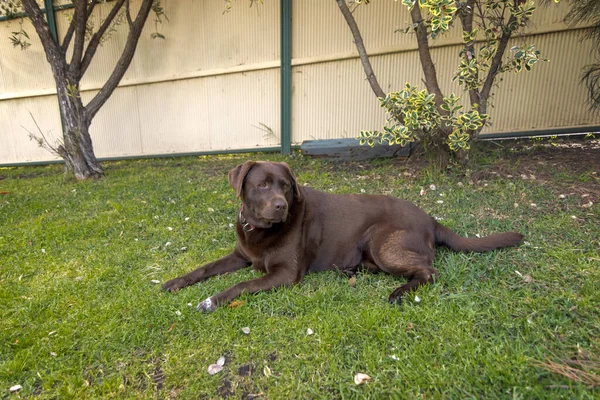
446	237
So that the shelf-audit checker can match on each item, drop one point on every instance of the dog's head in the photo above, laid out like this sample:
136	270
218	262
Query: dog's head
268	191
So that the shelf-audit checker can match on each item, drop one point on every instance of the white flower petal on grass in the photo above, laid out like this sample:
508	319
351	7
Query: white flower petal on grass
533	205
309	332
231	225
155	281
361	378
267	371
393	357
417	299
187	218
51	333
562	196
189	304
218	367
210	209
168	244
422	192
183	249
214	368
432	187
440	201
246	330
169	228
44	251
15	388
178	313
53	354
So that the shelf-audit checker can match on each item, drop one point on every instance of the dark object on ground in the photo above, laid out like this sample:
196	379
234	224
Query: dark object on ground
286	230
351	149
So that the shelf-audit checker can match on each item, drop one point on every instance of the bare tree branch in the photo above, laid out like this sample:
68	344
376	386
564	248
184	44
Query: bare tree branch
69	35
495	66
80	18
90	51
466	18
427	64
128	14
124	61
360	46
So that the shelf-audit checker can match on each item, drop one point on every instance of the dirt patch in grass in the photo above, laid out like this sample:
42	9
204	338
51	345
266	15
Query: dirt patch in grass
568	166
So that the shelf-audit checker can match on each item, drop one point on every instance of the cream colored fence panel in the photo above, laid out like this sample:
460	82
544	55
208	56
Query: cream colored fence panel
22	72
15	145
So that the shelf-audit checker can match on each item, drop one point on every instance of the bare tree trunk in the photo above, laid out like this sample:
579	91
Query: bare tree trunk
77	149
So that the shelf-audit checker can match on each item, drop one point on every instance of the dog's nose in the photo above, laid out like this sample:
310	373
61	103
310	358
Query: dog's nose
280	205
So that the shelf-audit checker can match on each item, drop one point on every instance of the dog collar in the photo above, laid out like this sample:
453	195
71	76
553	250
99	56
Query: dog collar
246	226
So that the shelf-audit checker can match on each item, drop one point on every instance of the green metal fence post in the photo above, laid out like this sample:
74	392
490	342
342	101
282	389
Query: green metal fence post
51	19
286	76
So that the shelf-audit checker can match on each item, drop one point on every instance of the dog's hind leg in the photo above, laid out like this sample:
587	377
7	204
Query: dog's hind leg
401	254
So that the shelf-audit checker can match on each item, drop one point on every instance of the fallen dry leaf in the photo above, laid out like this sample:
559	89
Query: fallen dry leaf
360	378
237	303
352	281
527	278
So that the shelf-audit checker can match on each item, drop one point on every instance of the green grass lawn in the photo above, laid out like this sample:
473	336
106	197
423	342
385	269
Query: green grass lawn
81	317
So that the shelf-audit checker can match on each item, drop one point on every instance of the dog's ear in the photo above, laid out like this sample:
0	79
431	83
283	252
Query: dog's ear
238	174
297	192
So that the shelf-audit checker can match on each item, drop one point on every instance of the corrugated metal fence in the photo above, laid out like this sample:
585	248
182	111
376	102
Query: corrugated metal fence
214	83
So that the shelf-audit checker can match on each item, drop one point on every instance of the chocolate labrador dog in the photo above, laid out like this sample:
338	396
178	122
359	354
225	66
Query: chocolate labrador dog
286	230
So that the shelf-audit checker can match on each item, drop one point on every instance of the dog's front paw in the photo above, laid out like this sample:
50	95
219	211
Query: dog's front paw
206	306
395	299
174	285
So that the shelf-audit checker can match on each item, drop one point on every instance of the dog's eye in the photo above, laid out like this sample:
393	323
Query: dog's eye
263	185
